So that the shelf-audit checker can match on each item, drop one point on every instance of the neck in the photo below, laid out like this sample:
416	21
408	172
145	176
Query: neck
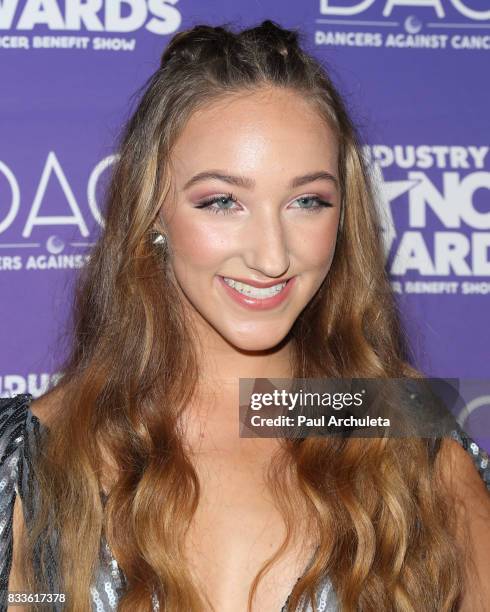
222	364
213	415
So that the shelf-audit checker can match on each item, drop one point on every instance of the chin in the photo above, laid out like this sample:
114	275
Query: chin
255	341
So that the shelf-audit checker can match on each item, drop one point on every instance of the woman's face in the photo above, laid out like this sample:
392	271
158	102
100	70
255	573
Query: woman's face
250	175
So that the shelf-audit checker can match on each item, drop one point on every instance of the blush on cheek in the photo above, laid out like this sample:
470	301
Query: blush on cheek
318	248
199	243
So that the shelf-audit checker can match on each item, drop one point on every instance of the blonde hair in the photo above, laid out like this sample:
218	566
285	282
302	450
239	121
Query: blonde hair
380	512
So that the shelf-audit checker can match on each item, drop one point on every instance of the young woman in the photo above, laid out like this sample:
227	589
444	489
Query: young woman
127	486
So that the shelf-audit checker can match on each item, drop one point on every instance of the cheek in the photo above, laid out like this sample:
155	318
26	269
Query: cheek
198	244
315	248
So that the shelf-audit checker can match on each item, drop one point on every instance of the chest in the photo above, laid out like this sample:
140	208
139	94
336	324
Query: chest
237	528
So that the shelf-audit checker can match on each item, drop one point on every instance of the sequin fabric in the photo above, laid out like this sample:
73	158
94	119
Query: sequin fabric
21	433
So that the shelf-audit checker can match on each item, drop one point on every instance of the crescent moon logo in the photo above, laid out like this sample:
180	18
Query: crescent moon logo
55	245
413	25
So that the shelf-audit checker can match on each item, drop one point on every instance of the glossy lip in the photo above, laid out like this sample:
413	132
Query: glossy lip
256	303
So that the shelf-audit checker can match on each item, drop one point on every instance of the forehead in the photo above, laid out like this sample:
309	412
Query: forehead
268	130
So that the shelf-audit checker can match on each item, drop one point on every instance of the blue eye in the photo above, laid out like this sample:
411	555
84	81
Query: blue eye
219	200
315	200
223	204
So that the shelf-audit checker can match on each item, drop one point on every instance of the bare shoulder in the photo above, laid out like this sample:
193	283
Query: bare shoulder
47	405
470	497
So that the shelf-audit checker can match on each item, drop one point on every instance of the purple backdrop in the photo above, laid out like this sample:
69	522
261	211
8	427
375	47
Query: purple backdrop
414	74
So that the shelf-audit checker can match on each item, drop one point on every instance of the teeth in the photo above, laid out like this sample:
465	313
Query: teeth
254	292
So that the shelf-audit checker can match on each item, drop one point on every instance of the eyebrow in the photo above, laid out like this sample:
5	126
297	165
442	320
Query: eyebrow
247	183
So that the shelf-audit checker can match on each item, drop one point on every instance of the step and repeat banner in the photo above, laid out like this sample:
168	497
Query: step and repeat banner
415	75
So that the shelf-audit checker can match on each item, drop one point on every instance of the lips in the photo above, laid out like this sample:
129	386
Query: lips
255	303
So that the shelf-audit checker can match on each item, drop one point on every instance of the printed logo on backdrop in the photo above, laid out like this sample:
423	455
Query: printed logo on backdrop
434	209
433	204
34	383
105	25
461	25
45	232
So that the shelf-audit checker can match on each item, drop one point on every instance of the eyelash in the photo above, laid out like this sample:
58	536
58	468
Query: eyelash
206	204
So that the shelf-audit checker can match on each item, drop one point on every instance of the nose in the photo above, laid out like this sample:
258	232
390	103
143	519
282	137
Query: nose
266	243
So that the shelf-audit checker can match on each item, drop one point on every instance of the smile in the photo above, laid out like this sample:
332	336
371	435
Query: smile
256	298
255	292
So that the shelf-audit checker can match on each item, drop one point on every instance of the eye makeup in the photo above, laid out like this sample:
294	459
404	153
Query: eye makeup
208	203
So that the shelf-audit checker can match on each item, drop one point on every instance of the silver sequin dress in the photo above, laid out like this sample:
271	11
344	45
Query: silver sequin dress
20	434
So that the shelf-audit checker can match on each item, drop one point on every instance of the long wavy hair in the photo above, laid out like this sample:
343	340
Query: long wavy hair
380	512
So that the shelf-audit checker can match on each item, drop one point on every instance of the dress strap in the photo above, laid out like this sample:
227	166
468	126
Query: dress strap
13	417
477	453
